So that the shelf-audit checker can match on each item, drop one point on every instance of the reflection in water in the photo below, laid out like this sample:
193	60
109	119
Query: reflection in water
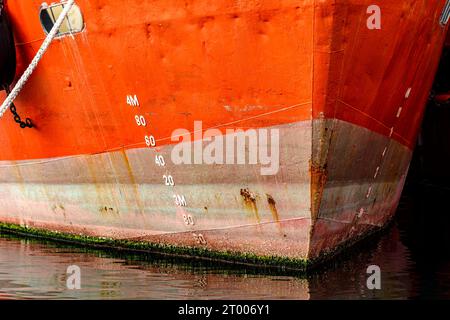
413	255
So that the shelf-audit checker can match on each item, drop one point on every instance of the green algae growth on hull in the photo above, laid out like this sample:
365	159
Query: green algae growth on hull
245	259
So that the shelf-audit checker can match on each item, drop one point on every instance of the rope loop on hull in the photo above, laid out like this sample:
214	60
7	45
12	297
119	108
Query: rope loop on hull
34	63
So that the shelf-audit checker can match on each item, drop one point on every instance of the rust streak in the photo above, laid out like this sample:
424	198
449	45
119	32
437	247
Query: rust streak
318	180
133	181
250	202
274	211
94	179
273	208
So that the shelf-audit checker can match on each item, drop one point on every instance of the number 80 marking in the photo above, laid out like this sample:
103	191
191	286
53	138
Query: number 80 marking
188	220
140	120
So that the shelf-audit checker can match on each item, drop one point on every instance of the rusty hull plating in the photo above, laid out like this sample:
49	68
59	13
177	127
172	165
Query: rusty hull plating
348	102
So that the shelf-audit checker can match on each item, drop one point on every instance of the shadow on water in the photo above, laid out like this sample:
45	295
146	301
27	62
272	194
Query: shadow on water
413	254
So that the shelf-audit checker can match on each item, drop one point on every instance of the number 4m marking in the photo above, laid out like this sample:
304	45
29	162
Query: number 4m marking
132	100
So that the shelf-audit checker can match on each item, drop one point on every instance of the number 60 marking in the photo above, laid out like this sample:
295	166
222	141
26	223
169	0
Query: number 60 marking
150	141
199	238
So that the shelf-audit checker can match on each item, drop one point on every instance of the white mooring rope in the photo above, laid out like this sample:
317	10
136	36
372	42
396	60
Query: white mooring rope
26	75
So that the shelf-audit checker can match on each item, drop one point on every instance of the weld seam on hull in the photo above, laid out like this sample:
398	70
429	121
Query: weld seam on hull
229	227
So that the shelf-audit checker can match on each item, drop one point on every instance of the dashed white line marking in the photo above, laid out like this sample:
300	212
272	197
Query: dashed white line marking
408	92
399	112
376	172
368	192
392	131
384	152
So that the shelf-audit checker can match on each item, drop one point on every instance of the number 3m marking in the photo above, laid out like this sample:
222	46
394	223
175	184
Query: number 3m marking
180	200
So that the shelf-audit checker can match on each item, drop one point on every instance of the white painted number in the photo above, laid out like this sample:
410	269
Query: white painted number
180	200
150	141
132	100
199	238
188	220
168	180
140	120
159	160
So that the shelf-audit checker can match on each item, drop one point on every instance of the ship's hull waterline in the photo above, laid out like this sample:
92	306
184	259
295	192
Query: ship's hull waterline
346	108
234	208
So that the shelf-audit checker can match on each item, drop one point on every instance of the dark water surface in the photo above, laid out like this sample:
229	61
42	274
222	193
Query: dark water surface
413	255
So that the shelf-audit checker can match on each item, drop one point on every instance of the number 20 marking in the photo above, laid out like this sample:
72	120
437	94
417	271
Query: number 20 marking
168	180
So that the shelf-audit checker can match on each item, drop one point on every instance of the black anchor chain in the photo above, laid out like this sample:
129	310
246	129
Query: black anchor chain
23	124
8	63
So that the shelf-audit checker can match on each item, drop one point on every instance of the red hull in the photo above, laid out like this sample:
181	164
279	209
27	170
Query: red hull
347	100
